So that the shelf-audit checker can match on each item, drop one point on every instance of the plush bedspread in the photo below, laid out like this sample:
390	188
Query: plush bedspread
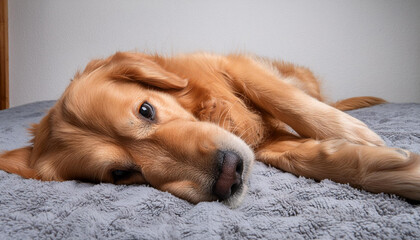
278	205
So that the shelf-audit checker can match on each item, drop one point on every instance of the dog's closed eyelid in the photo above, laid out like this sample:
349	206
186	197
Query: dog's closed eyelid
119	175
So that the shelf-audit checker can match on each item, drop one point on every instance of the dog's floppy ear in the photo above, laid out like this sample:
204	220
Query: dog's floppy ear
142	68
21	161
17	162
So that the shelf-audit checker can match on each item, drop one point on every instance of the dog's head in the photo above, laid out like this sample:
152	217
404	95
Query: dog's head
115	123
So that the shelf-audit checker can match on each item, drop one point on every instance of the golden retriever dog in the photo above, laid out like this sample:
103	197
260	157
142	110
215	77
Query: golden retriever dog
193	124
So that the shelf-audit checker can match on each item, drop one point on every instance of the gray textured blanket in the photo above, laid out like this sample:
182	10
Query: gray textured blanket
278	205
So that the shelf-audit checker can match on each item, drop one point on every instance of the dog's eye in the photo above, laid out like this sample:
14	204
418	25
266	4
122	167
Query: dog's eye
147	111
121	174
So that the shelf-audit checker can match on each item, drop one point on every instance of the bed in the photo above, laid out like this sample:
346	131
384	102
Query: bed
279	205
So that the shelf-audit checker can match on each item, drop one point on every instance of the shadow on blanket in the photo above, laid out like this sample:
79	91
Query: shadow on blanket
278	205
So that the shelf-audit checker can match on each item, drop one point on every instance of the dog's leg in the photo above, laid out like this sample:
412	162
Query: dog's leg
305	114
376	169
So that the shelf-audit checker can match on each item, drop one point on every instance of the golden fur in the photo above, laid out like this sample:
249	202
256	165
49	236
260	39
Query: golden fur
211	114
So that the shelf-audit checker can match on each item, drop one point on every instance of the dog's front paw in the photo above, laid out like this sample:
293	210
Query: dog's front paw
394	171
216	111
356	131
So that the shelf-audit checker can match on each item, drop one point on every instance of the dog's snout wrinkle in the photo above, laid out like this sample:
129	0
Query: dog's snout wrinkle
229	179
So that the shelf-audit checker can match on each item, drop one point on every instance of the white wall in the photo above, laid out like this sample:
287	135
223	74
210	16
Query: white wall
356	47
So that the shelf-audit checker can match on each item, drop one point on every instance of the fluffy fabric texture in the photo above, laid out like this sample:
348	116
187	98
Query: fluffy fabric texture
278	205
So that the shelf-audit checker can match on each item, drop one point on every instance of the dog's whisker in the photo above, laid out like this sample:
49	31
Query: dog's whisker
228	113
237	126
223	113
102	173
243	134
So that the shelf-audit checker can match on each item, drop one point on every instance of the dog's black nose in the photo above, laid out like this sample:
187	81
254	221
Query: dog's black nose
229	179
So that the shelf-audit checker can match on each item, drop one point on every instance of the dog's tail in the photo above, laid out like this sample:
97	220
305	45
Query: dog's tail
357	102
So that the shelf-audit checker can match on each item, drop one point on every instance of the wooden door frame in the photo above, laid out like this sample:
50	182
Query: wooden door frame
4	56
